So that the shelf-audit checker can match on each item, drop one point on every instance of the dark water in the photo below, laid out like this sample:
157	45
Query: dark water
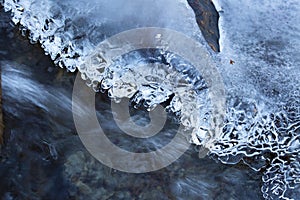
43	158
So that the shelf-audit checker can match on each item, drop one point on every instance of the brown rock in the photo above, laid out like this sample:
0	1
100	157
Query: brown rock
207	19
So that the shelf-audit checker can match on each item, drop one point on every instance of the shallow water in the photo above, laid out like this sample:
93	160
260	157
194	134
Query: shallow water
259	63
43	157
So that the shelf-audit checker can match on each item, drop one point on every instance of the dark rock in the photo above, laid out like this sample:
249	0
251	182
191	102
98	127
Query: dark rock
207	19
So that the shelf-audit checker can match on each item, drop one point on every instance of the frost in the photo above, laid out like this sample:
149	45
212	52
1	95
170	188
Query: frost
262	124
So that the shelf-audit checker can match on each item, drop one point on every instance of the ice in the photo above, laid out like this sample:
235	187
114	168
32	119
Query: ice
262	123
261	37
69	30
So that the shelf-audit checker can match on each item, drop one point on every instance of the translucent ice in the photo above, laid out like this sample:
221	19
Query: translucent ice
259	63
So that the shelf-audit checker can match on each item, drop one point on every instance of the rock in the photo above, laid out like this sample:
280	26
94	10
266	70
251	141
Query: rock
1	114
207	18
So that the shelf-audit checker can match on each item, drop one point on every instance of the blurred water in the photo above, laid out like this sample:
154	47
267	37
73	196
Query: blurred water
43	157
259	63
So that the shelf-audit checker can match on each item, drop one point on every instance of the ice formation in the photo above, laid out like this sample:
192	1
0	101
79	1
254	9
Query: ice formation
262	124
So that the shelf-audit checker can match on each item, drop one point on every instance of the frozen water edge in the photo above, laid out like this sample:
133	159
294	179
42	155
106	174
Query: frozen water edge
262	125
68	43
89	22
262	38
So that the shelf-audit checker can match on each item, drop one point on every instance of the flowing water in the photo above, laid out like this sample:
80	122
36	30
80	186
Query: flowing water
43	158
258	62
